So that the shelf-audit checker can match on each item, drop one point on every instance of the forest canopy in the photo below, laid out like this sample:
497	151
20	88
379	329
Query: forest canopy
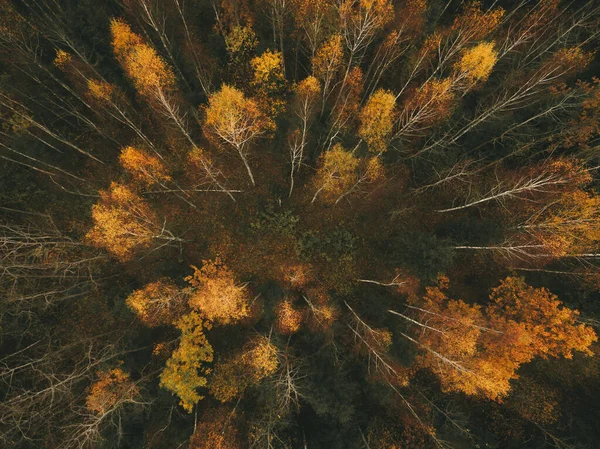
299	224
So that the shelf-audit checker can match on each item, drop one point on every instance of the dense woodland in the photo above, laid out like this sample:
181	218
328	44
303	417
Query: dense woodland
299	224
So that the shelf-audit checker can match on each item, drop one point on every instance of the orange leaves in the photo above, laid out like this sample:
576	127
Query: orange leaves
569	60
111	389
426	106
144	168
583	129
261	357
377	120
216	431
256	361
62	58
123	222
475	23
552	329
479	353
216	294
185	370
288	319
156	303
148	71
329	58
568	220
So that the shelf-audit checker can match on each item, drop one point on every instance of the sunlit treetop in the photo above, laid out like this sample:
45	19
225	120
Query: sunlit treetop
377	120
185	371
148	71
216	293
156	303
477	63
145	168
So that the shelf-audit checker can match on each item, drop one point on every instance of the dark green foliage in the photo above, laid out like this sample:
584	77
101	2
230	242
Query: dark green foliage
427	254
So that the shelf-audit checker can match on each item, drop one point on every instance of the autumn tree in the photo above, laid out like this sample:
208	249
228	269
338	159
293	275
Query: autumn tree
124	223
111	389
217	430
476	64
216	294
327	63
377	120
105	401
412	138
269	82
155	81
185	371
340	173
553	330
231	376
150	74
479	351
307	94
235	121
313	20
157	303
144	168
288	319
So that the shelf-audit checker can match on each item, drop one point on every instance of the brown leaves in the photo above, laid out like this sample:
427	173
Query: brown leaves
112	388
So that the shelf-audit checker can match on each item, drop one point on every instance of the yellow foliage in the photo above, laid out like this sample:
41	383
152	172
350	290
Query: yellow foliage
477	63
257	360
185	371
100	90
377	120
148	71
309	88
144	168
62	59
240	41
268	71
375	170
337	172
329	57
269	81
156	303
261	357
123	222
216	294
234	118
